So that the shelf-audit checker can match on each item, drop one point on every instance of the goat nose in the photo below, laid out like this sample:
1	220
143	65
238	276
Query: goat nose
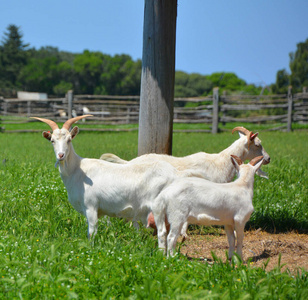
61	155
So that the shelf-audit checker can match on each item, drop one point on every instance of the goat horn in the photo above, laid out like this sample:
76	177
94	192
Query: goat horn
70	122
243	130
255	160
238	160
53	125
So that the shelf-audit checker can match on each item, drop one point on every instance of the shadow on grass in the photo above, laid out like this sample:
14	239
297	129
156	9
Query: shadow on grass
275	225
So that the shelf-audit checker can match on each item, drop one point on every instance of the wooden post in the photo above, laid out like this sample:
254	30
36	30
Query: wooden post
157	77
128	110
290	106
28	108
69	97
19	110
5	105
224	112
215	110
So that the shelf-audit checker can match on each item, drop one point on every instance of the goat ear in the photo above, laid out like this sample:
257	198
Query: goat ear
253	136
47	135
258	165
74	131
236	161
257	162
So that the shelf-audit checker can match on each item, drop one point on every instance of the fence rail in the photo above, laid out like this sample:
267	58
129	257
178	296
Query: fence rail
283	110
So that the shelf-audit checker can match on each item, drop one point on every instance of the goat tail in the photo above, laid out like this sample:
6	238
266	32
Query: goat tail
113	158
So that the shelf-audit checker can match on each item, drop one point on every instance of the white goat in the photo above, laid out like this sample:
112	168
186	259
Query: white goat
215	167
199	201
96	187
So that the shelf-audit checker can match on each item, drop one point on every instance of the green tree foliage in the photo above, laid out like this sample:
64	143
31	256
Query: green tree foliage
101	74
122	76
227	81
298	78
13	56
251	89
181	88
299	66
47	72
131	78
191	85
88	68
282	82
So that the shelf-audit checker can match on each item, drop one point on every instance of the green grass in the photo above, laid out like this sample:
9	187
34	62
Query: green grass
45	254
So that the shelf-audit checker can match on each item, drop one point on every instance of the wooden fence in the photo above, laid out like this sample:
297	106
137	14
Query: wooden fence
281	111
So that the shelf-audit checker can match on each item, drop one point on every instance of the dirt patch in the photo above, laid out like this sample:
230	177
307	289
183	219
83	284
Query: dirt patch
259	246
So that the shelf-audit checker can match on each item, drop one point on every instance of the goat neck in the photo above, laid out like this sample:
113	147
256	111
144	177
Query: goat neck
246	177
67	159
70	165
246	172
237	148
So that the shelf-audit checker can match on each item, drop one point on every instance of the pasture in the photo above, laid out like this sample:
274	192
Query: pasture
45	254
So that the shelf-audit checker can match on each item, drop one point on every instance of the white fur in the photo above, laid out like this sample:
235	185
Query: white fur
199	201
216	167
96	187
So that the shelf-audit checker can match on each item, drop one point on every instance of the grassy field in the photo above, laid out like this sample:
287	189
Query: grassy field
44	252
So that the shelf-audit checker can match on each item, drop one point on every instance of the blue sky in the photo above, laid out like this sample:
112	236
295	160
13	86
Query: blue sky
253	39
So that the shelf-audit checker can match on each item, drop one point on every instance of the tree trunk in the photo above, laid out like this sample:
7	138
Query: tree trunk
157	78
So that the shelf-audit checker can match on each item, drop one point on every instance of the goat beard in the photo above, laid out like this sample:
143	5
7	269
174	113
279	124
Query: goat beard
56	164
262	174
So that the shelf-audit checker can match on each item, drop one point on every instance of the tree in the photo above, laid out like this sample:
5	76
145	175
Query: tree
130	81
47	72
88	68
121	76
282	82
299	66
227	81
13	56
191	85
200	83
180	85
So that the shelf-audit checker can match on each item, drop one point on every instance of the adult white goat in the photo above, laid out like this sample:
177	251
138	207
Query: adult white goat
96	187
228	204
215	167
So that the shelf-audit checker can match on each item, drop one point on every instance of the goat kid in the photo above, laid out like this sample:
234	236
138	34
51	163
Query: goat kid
96	187
199	201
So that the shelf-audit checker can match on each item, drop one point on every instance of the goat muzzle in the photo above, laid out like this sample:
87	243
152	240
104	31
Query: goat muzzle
266	161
